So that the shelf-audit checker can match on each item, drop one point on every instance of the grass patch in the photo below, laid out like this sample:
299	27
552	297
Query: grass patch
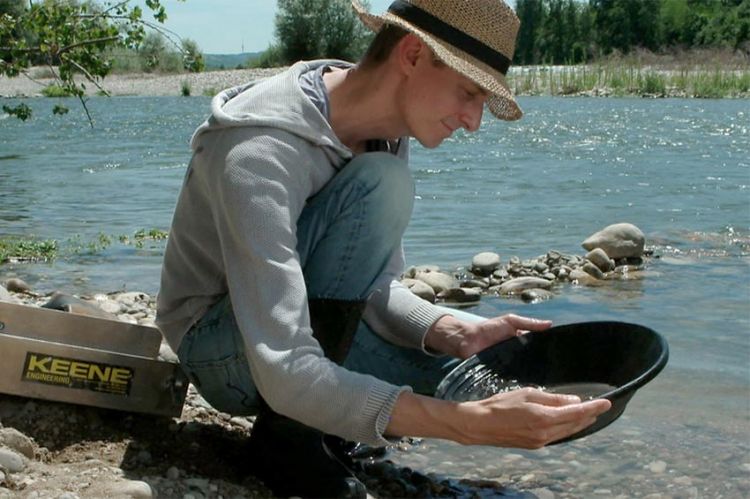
25	250
16	249
55	91
620	78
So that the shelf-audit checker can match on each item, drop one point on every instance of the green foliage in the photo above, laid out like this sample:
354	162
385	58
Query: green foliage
23	249
55	91
59	109
312	29
185	88
572	31
21	111
73	37
16	249
192	58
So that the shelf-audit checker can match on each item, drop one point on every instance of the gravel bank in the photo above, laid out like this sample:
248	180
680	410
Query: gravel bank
144	84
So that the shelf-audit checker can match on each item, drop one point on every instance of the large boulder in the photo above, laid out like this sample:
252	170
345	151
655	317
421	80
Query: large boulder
621	240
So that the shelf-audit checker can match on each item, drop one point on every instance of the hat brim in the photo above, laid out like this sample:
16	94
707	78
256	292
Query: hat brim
500	101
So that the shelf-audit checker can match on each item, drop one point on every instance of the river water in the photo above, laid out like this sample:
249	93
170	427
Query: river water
678	169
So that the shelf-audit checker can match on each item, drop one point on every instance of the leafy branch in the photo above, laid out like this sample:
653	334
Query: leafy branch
73	38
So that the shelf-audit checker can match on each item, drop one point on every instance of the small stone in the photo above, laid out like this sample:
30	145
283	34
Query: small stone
16	285
535	295
520	283
411	272
543	493
501	274
241	422
599	257
131	488
419	288
485	263
593	270
173	473
475	283
11	461
438	281
17	441
460	295
657	466
540	267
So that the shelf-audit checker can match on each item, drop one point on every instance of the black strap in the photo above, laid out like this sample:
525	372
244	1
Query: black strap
435	26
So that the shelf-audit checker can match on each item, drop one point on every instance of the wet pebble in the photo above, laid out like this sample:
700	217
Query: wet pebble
460	295
599	257
519	284
438	281
535	295
420	288
593	270
657	466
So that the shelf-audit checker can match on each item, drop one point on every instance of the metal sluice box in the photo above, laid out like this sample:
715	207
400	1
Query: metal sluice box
66	357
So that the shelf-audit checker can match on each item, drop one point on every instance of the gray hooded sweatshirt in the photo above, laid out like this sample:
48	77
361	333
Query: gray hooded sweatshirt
266	149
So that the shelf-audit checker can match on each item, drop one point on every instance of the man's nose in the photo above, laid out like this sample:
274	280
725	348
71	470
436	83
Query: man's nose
471	117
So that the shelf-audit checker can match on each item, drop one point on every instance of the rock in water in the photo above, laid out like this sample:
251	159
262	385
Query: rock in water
485	263
460	295
519	284
439	281
621	240
599	257
421	289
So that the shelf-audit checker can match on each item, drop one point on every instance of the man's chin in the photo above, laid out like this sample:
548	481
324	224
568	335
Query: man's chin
430	143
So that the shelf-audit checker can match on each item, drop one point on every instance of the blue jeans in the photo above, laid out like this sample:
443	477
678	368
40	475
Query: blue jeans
346	234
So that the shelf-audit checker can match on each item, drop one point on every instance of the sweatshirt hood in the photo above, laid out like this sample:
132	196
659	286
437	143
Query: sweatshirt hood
276	102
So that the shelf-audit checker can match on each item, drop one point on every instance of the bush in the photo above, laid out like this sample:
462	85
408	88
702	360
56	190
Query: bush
55	91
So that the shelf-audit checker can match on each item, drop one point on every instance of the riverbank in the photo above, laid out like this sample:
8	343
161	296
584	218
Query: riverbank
603	79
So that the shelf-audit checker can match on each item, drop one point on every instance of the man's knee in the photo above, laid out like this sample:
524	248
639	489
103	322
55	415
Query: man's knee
389	184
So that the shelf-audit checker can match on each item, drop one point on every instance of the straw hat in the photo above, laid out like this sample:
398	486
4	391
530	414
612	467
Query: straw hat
475	37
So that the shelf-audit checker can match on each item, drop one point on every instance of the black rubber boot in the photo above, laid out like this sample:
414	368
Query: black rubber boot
293	459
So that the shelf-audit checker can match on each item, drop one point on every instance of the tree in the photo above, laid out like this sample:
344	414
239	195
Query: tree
531	14
72	38
312	29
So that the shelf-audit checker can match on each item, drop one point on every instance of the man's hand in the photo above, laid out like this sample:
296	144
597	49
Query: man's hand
463	339
526	418
529	418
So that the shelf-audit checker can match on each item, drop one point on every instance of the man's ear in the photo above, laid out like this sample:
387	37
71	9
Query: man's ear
409	49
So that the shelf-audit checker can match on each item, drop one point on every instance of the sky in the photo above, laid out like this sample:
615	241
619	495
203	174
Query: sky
228	26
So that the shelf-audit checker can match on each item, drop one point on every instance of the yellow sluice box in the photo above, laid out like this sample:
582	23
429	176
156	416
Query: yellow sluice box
66	357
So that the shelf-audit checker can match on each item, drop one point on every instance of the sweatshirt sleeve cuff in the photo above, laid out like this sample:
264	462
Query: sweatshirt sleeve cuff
419	321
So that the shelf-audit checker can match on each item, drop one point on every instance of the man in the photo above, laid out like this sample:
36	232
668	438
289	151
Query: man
279	288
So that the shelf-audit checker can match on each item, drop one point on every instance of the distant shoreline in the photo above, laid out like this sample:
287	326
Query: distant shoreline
593	80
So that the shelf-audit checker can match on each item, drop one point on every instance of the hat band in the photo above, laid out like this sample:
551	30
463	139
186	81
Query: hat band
437	27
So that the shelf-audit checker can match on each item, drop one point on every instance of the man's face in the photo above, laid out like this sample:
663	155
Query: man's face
438	100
